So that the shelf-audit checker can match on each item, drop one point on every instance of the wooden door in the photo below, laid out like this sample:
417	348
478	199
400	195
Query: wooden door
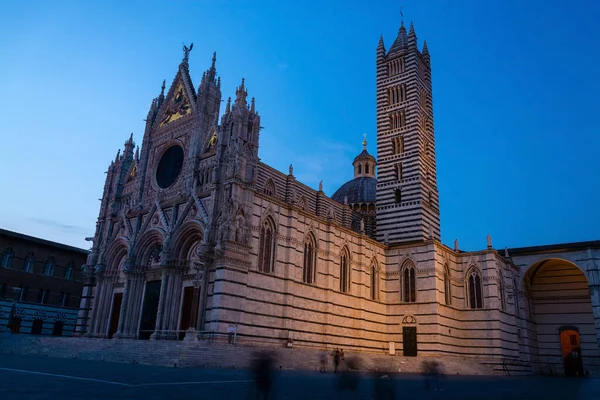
409	340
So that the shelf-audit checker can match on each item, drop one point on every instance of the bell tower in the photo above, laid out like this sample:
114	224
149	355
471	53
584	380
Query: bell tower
407	195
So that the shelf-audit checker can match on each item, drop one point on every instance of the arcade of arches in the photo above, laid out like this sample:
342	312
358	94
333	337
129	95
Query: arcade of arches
151	291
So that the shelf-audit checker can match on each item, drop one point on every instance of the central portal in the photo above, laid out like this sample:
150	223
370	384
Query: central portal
149	310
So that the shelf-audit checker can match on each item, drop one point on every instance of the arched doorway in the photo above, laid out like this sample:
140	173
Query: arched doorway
560	313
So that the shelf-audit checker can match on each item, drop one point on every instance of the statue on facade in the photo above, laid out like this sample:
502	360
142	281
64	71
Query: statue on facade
291	169
186	51
321	186
489	241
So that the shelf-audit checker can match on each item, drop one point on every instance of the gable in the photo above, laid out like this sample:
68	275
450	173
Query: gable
177	106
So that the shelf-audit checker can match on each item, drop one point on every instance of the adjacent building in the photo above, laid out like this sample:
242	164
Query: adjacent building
40	284
195	234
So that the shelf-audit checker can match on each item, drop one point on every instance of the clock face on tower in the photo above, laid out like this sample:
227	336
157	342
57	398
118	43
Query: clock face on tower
169	167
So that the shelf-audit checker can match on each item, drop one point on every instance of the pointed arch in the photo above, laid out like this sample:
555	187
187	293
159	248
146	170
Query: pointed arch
408	276
447	285
147	251
474	288
8	257
269	188
344	269
267	245
115	254
374	275
309	269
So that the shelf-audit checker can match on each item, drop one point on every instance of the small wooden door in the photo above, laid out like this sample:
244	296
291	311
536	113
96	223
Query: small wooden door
116	312
409	340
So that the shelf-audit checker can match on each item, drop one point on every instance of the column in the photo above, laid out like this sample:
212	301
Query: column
161	302
97	310
83	321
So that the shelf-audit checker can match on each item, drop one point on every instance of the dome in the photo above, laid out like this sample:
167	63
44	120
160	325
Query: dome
358	190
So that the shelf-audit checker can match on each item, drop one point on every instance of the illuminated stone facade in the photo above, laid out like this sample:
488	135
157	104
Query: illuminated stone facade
196	235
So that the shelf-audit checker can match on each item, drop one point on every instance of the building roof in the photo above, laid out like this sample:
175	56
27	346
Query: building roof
358	190
45	242
554	248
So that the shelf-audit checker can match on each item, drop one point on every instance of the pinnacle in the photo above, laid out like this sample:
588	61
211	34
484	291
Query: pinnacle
425	50
412	30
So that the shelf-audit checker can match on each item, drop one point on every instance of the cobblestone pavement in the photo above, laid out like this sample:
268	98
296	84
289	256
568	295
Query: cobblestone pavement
31	378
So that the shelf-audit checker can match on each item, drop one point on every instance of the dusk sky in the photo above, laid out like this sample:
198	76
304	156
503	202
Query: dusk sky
515	97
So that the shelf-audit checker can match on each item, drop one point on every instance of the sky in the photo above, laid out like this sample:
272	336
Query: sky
515	101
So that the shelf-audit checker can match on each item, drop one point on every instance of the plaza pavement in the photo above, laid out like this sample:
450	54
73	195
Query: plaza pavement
35	377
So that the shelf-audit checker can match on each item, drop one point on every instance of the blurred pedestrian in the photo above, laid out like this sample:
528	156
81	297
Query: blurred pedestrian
322	362
262	368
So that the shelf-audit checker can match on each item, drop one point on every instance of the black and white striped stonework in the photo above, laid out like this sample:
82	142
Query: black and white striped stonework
407	195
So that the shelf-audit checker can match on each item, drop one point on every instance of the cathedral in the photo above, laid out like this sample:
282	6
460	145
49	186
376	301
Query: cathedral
196	235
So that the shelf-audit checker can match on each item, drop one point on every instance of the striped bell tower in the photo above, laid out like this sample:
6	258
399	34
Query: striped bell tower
407	195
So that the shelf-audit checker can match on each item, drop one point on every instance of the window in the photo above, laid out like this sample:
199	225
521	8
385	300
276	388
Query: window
344	271
7	258
23	293
266	246
64	299
49	268
475	289
398	172
360	168
36	327
409	283
269	189
29	263
2	290
397	119
43	296
501	289
398	196
366	168
69	270
309	270
374	281
516	295
57	329
447	286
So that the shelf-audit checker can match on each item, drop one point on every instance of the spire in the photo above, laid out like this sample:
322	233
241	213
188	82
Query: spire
118	156
425	50
401	40
241	94
162	88
228	106
212	72
412	36
252	107
219	83
137	153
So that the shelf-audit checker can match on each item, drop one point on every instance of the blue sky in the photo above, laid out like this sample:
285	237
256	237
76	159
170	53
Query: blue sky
515	96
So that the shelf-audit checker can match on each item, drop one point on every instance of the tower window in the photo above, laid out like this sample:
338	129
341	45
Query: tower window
475	292
430	199
398	172
366	168
409	283
360	168
398	196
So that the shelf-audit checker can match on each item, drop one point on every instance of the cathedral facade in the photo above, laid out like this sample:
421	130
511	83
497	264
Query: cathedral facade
195	235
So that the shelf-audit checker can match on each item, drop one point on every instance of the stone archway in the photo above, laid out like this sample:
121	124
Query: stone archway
558	296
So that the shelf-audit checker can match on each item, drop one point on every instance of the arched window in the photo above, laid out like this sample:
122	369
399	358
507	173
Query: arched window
344	271
366	168
360	168
475	289
29	263
374	281
409	290
309	270
447	286
69	270
7	258
502	293
516	295
49	268
269	188
266	246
